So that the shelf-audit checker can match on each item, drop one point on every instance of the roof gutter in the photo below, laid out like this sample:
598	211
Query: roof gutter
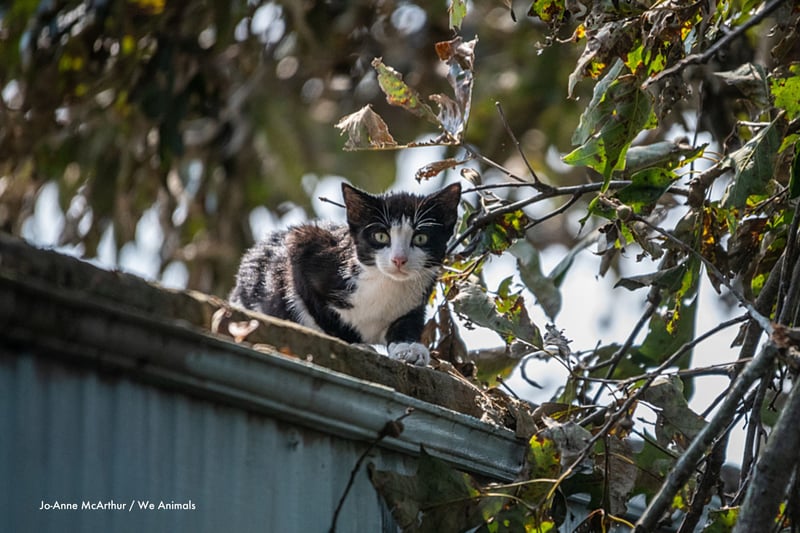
42	318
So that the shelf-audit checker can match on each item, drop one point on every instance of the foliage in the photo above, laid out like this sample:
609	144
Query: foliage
206	110
637	55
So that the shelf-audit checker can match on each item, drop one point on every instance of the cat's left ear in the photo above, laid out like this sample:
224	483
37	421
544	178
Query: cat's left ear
447	199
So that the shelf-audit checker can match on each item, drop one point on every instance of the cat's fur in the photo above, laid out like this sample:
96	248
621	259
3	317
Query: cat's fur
365	282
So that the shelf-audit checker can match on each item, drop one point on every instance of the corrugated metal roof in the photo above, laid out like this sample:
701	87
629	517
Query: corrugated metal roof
74	436
99	402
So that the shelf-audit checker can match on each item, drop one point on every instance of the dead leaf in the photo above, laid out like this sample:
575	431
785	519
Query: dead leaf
432	169
365	129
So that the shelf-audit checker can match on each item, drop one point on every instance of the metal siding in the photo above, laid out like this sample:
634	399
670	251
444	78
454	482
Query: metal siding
72	435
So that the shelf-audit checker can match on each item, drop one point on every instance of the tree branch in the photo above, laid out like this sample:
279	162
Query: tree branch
707	483
687	463
790	287
491	216
762	320
712	50
774	469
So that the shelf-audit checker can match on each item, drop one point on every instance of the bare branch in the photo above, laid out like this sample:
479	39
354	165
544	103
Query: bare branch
773	471
790	287
685	348
653	299
762	320
483	221
707	483
537	183
687	463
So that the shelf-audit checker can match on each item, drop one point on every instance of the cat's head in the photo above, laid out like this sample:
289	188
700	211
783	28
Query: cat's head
404	235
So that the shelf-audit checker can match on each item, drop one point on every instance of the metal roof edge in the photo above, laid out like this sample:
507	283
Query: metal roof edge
183	357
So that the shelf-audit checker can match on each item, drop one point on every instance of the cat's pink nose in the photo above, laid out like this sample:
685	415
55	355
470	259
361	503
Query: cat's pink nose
399	260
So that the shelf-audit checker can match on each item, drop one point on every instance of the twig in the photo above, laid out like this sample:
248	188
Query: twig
707	483
555	212
329	201
762	320
789	288
537	183
685	348
712	50
392	428
503	384
764	303
654	299
686	464
563	191
486	219
630	400
524	373
482	158
753	437
776	463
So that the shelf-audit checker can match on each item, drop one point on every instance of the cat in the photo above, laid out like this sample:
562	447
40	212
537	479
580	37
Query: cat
367	281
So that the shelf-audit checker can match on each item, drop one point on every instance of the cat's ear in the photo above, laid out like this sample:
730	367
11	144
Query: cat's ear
447	199
357	203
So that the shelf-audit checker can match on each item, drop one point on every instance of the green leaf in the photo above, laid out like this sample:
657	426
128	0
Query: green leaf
646	188
667	155
676	422
437	498
751	80
653	464
753	167
670	329
618	117
399	94
504	231
594	114
542	463
549	11
721	520
667	334
669	279
457	11
530	271
478	307
786	92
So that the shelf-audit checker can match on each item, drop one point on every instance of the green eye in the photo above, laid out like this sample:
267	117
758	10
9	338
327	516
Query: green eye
381	237
419	239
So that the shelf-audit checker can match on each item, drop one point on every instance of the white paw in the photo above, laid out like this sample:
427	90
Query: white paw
410	352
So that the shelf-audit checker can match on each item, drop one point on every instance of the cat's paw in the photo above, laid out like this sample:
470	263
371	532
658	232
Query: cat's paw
410	352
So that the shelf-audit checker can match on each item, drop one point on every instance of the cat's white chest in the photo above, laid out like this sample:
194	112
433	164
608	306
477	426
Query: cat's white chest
378	301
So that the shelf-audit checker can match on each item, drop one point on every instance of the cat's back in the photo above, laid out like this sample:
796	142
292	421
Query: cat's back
267	277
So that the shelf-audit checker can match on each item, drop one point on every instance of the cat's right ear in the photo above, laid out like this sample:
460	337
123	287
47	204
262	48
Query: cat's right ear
357	203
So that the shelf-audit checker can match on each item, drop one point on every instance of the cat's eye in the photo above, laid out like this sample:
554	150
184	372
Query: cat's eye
381	237
419	239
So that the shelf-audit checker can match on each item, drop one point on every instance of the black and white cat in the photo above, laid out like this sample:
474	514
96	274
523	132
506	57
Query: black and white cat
365	282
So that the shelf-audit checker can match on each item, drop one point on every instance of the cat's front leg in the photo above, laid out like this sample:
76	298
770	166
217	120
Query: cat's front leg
403	336
410	352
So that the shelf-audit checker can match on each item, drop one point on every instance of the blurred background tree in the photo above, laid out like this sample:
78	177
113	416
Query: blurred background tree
206	110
